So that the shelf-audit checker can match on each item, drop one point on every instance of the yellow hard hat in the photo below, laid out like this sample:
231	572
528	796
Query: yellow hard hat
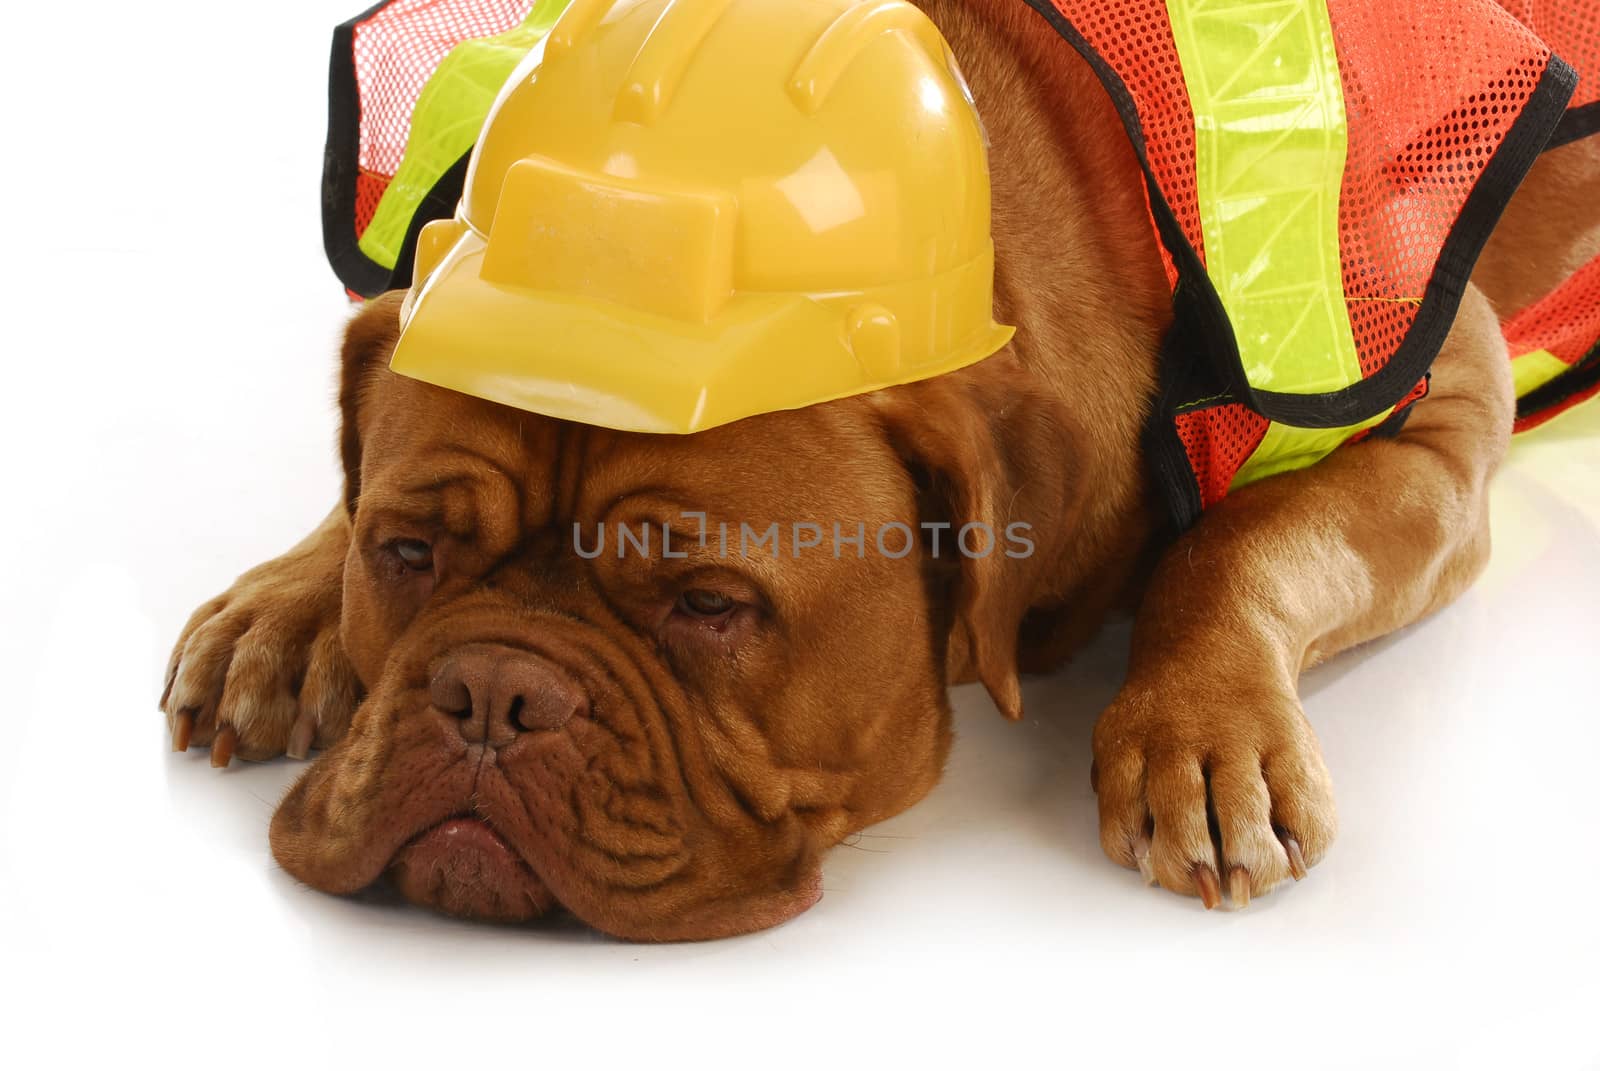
681	213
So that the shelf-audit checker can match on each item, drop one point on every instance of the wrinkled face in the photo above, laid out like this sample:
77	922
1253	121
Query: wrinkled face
606	672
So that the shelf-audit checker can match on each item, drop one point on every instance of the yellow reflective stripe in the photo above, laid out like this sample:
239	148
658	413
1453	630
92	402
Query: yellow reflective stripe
446	121
1270	144
1285	449
1533	370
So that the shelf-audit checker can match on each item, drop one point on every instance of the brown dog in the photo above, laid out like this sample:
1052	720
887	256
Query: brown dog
667	746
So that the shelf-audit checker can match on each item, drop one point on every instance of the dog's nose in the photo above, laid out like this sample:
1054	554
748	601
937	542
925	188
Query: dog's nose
497	692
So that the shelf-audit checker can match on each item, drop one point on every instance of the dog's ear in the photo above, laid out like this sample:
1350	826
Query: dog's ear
961	435
368	341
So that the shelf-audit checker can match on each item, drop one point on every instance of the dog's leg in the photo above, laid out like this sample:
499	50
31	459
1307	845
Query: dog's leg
260	670
1207	738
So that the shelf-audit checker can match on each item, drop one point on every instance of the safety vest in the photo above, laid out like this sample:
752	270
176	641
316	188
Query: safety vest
1321	175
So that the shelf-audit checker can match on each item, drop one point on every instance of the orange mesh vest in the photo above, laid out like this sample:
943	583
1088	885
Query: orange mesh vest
1376	146
1321	175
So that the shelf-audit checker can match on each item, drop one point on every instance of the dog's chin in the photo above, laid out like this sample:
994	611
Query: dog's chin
462	867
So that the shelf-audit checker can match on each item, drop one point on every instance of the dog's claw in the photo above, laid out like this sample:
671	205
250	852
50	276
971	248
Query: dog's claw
300	738
1208	885
1239	887
166	688
182	729
222	747
1141	857
1297	859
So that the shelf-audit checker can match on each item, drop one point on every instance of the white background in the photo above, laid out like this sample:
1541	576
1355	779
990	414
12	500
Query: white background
168	326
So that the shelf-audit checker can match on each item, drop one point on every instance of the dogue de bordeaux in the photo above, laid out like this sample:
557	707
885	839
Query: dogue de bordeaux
666	748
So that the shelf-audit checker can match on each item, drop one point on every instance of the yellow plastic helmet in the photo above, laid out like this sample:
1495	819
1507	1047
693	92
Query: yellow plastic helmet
682	213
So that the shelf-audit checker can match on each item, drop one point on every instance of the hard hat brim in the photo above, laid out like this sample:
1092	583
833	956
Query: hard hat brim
576	358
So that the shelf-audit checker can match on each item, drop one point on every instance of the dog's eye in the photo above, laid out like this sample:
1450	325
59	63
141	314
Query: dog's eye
705	605
417	555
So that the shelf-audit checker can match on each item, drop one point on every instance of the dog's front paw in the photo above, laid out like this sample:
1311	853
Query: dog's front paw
1204	789
260	671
